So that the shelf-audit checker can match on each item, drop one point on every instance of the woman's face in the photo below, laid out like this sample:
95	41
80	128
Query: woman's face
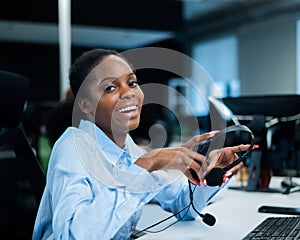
116	97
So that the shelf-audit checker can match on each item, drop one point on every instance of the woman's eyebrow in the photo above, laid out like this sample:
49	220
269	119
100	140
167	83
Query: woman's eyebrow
114	78
108	79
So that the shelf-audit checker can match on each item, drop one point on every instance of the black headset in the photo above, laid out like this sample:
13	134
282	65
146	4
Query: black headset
213	177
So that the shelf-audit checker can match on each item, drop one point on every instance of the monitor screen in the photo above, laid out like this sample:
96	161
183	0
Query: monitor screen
275	122
269	105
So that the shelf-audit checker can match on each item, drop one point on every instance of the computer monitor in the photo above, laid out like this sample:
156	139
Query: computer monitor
275	106
275	122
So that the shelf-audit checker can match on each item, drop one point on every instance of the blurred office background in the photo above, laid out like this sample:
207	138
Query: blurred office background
248	47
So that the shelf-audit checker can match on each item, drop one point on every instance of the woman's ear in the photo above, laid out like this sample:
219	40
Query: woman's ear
85	105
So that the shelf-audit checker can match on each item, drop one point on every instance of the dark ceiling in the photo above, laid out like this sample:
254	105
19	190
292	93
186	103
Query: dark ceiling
231	14
167	19
158	15
29	39
164	15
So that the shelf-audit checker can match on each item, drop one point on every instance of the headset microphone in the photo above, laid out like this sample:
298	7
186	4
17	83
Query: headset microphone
208	219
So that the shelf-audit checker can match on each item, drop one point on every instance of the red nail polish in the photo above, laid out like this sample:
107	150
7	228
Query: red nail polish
224	179
197	183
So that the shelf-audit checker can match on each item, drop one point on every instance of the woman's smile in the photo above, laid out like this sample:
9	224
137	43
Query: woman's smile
128	109
128	112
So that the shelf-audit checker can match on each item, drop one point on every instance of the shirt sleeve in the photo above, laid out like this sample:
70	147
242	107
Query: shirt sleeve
82	210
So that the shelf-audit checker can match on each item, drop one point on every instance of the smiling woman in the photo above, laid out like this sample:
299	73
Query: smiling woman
112	98
97	172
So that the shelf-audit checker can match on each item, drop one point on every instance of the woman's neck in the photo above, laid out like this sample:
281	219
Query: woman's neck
117	138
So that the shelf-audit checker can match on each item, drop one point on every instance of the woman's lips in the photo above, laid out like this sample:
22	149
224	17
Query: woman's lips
128	109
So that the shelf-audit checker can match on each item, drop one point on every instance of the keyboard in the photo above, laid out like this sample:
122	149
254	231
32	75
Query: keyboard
276	228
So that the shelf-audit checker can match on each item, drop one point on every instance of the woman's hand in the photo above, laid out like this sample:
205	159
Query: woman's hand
221	158
181	158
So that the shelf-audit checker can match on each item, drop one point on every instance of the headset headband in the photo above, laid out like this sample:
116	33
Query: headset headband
215	176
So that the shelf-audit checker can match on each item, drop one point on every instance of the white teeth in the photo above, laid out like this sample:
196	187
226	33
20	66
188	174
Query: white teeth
127	109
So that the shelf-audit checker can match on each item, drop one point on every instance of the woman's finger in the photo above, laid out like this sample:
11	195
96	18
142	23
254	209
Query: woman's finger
235	169
239	148
191	178
198	170
198	138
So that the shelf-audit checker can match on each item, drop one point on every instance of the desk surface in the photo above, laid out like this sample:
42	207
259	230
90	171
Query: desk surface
235	211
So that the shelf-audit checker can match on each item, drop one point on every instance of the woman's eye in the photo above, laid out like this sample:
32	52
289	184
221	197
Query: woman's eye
133	84
110	88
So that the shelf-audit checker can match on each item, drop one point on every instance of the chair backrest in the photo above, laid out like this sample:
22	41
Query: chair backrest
14	90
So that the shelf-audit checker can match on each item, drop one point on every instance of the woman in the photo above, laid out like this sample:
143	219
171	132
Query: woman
98	179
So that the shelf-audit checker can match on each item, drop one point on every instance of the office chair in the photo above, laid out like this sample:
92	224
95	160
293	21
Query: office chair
14	89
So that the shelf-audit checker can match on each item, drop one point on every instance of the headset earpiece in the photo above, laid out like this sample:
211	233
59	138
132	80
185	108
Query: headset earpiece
215	176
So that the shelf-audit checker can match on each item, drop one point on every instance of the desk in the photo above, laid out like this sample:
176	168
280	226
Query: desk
235	211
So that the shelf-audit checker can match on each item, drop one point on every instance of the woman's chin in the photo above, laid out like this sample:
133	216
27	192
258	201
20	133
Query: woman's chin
126	127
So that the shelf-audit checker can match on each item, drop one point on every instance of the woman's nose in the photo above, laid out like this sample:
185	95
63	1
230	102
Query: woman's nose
127	93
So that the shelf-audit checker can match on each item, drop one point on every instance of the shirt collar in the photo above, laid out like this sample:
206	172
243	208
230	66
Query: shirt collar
112	150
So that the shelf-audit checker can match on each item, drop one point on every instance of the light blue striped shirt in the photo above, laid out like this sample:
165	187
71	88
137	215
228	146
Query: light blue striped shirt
89	199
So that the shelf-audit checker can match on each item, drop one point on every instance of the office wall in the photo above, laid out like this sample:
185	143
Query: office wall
267	56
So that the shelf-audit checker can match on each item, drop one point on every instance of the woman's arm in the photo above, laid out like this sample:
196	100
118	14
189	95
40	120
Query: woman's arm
181	158
82	207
